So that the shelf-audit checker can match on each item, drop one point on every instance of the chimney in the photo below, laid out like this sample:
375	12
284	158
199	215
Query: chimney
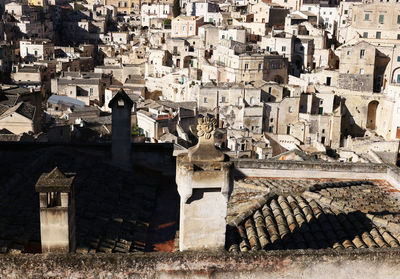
121	106
204	183
57	211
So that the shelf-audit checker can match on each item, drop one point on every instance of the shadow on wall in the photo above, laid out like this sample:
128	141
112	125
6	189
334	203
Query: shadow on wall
116	210
348	125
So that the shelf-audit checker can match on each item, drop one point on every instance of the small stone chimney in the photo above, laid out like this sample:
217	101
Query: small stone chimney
57	211
204	182
121	106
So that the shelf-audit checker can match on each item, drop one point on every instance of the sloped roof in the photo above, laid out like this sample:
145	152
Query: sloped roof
285	214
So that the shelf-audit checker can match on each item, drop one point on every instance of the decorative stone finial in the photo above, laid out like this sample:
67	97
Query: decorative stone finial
205	150
206	127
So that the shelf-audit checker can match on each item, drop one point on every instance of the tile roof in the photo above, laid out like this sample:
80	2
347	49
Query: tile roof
113	212
278	214
26	110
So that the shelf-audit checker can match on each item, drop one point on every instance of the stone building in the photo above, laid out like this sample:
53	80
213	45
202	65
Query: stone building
377	20
186	26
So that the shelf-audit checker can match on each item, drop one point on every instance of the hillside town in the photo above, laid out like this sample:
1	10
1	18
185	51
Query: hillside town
187	139
285	79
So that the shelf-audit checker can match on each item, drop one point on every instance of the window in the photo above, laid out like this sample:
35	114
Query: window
246	67
398	58
366	17
348	52
223	99
205	100
398	36
290	109
365	35
361	71
283	48
381	19
378	35
343	22
271	129
362	53
398	19
119	4
251	100
223	36
259	67
346	12
288	130
91	91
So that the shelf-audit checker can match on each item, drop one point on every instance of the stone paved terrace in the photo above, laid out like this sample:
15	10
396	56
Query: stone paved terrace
116	210
279	214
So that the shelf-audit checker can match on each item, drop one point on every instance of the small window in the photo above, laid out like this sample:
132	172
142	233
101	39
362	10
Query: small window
362	53
361	71
223	99
381	19
398	58
251	100
283	48
378	35
398	36
290	109
205	100
365	35
346	12
259	67
366	17
246	67
348	52
398	19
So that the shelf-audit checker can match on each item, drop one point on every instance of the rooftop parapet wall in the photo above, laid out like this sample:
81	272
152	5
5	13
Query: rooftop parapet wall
264	168
310	264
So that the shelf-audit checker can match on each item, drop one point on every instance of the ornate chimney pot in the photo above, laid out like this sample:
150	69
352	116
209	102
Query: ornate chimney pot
204	183
57	211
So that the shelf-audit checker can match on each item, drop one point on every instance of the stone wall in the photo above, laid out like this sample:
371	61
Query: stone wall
260	168
364	263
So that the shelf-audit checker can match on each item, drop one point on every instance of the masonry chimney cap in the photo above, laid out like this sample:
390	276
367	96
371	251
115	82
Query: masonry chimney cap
55	181
121	95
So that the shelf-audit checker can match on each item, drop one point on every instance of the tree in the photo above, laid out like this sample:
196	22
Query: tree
176	10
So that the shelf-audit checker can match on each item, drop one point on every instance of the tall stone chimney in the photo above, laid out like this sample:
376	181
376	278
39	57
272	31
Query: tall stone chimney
121	106
57	211
204	182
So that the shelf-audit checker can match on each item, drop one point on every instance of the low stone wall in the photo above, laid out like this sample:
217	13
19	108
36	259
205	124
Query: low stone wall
363	263
285	169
